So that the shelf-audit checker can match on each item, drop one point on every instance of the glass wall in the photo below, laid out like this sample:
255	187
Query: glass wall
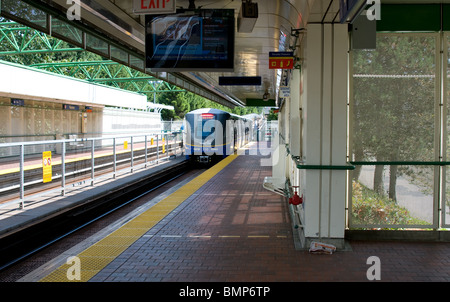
395	133
446	153
40	121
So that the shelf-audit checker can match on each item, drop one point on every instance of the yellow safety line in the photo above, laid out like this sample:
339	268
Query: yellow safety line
98	256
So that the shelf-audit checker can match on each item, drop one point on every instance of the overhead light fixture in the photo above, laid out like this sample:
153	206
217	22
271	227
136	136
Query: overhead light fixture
248	14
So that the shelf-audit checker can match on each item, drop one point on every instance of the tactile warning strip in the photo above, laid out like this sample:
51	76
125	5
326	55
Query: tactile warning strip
99	255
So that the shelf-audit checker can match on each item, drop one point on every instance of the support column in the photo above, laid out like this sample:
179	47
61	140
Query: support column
324	101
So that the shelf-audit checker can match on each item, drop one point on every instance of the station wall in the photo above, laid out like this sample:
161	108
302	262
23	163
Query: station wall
34	120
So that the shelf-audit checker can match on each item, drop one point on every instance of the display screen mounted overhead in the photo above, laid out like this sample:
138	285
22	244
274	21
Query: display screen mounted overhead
200	40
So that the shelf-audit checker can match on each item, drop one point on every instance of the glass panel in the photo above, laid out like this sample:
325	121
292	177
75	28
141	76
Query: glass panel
394	100
22	10
446	207
97	45
137	62
67	32
392	195
394	121
119	54
446	199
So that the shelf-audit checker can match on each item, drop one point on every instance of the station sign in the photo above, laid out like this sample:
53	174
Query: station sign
240	81
70	107
17	102
47	166
281	60
285	91
154	7
251	102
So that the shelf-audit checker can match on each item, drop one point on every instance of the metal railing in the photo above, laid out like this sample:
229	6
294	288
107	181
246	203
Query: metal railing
76	162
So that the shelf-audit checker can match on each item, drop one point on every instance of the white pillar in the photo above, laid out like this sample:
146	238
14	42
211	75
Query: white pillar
324	102
294	118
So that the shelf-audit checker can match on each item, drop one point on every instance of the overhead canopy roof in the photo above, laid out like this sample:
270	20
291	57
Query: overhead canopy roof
272	32
280	27
17	81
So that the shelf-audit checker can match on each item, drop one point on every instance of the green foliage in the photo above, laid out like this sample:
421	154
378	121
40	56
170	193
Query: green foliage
246	110
394	102
394	116
28	46
371	208
184	102
273	116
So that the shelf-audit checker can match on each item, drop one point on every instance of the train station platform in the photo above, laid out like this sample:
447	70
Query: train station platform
223	226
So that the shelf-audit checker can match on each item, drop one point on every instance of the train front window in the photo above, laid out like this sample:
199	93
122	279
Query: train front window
205	125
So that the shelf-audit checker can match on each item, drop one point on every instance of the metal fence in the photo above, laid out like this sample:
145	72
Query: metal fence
64	164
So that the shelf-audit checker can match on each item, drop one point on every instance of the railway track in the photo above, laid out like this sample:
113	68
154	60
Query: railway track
22	244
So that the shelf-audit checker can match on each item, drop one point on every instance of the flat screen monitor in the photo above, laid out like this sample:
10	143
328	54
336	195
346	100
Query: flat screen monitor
200	40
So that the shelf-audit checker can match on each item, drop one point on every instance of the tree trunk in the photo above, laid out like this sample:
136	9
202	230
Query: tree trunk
359	155
392	182
378	179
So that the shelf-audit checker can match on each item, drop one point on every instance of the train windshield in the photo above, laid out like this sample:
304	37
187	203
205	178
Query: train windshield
205	125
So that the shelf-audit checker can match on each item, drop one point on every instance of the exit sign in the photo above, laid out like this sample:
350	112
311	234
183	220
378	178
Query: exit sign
149	7
281	60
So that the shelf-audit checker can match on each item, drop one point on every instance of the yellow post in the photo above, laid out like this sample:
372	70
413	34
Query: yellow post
47	166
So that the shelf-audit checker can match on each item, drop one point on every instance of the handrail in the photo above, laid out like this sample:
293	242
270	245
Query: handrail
400	163
166	148
45	142
304	166
352	164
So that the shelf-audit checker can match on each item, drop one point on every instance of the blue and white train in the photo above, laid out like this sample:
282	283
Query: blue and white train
213	134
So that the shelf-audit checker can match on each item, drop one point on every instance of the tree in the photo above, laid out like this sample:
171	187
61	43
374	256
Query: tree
178	101
394	104
273	116
185	102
